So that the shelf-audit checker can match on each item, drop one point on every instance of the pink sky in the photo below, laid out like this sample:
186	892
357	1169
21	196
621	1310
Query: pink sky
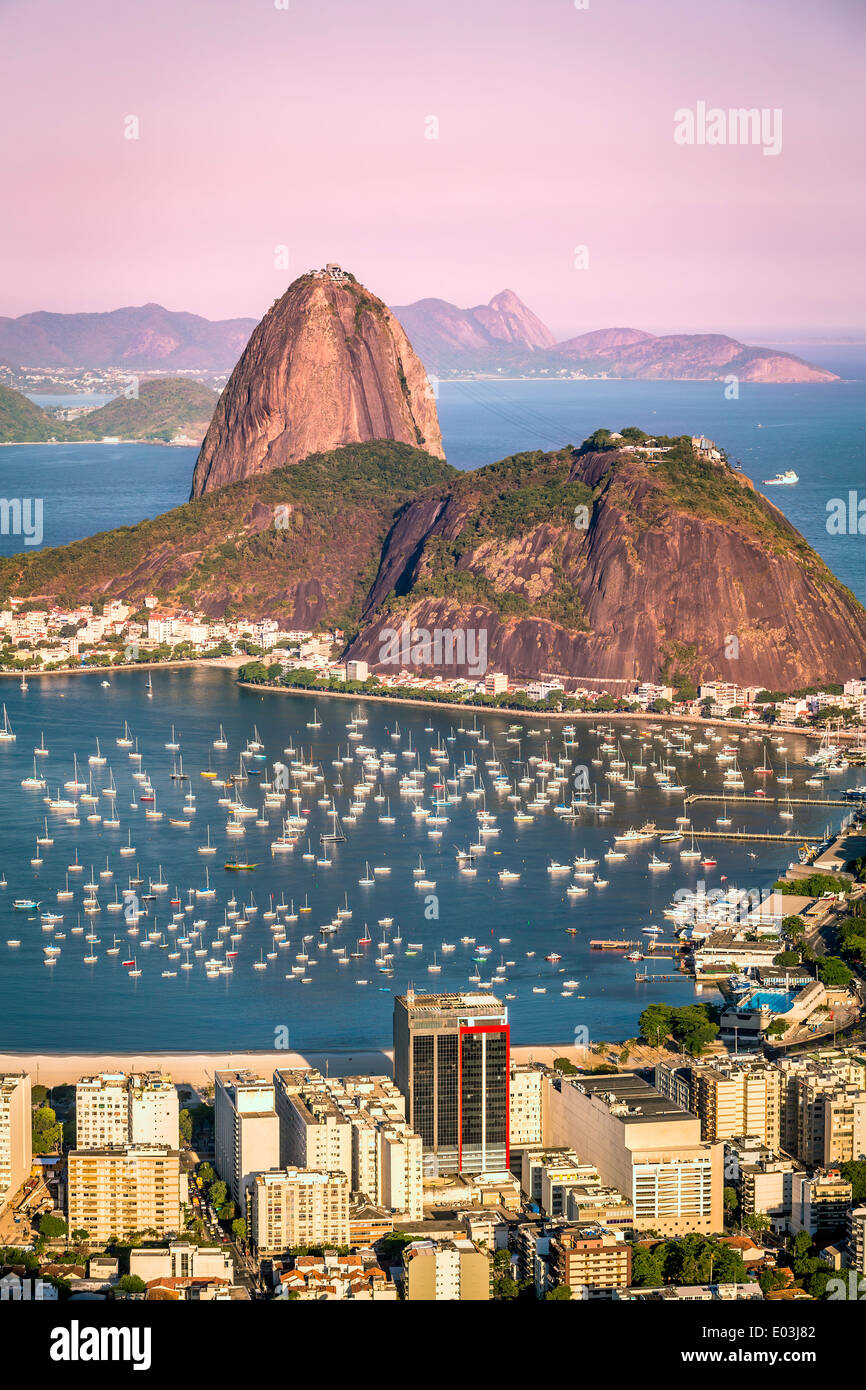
305	127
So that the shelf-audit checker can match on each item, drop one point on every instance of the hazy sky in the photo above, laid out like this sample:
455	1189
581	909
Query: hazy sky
306	127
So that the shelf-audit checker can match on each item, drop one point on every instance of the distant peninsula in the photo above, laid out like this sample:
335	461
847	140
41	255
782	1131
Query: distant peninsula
171	410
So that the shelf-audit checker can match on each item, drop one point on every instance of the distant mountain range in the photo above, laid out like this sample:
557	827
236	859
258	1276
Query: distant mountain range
143	338
503	337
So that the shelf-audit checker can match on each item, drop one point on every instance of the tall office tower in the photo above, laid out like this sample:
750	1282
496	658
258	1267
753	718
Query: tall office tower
451	1061
246	1130
16	1151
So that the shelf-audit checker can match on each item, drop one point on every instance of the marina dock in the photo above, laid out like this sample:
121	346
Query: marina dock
772	800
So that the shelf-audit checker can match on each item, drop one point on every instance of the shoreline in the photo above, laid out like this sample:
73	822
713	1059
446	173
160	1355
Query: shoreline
197	1068
570	716
224	662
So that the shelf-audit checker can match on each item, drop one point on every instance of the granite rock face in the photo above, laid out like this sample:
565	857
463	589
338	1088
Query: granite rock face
688	574
328	365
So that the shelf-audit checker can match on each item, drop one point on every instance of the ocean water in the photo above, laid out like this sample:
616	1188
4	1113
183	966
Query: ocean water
819	431
86	488
74	1005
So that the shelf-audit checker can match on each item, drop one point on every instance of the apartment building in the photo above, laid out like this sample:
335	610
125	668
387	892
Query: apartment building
445	1271
740	1096
767	1188
115	1191
313	1132
102	1111
646	1147
820	1203
16	1150
824	1107
295	1206
154	1112
113	1108
246	1130
855	1247
679	1083
356	1125
451	1062
527	1104
589	1259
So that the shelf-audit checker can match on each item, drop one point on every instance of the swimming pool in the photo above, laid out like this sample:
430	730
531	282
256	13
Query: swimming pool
778	1001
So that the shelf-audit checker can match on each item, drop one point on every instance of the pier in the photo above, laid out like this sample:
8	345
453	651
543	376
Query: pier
790	838
648	945
850	802
644	977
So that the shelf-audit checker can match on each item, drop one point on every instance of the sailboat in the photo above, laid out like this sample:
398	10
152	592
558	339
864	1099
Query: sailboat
221	741
6	734
693	852
207	847
149	687
723	819
125	740
34	783
24	686
41	751
97	759
173	745
765	770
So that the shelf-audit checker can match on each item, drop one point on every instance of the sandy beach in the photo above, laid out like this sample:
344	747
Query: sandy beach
197	1068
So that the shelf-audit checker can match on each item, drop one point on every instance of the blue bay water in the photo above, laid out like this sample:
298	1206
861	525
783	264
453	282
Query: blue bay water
73	1005
817	430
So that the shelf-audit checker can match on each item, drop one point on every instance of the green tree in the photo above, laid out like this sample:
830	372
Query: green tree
217	1194
52	1227
47	1133
130	1283
185	1126
833	972
646	1270
855	1173
561	1294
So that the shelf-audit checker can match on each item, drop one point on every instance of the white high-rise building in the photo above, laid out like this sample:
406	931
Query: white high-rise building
101	1111
114	1108
16	1151
154	1113
246	1130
